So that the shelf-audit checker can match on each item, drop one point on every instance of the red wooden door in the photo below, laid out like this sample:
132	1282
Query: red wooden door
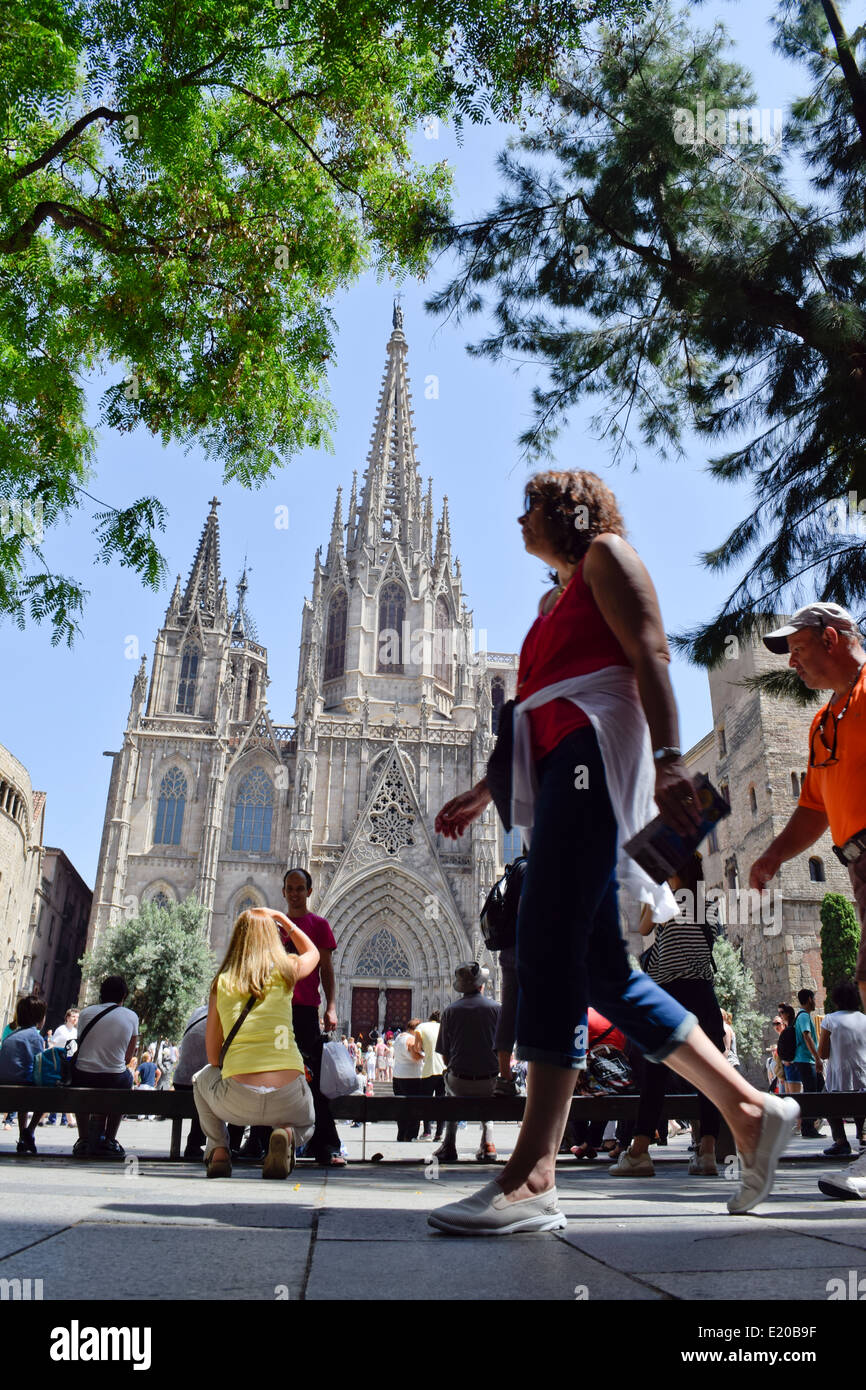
365	1010
398	1007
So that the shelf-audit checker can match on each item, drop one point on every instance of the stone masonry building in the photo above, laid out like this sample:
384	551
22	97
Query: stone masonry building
394	714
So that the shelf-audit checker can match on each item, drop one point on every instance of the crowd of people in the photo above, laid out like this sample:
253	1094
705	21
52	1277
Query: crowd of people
594	697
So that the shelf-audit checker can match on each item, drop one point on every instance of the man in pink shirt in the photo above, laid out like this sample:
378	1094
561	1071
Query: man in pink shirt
297	887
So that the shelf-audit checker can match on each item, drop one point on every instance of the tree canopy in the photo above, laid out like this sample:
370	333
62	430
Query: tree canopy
648	249
164	956
184	189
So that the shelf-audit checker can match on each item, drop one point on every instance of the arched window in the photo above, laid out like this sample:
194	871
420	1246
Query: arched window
254	809
335	640
732	877
497	700
188	677
725	792
392	615
802	780
170	808
723	747
442	644
795	785
246	904
753	801
161	899
816	871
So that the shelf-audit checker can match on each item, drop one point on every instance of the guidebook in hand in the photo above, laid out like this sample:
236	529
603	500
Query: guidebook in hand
661	851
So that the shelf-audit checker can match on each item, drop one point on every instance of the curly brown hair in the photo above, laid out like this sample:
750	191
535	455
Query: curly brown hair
578	506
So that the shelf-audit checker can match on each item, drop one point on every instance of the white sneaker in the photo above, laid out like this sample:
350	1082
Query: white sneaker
703	1166
850	1184
628	1167
489	1213
777	1123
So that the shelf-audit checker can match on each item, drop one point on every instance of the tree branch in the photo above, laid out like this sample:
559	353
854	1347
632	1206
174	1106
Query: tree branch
99	113
850	71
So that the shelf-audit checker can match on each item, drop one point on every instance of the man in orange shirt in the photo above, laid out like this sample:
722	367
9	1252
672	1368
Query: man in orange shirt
823	644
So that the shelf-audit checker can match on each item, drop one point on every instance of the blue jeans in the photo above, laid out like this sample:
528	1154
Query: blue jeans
570	951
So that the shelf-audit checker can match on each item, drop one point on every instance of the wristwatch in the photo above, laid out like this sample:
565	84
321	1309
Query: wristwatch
663	755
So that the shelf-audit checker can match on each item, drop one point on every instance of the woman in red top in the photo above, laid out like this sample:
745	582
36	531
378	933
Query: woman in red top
602	617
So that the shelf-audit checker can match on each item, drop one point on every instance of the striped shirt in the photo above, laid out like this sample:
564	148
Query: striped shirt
680	952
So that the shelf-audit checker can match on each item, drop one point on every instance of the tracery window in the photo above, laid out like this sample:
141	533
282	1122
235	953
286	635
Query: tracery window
442	667
383	958
254	809
335	641
391	815
392	615
170	808
188	677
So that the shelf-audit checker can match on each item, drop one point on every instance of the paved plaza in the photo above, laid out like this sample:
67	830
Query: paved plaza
158	1226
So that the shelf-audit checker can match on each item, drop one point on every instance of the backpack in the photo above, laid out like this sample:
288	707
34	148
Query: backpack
499	913
53	1067
786	1047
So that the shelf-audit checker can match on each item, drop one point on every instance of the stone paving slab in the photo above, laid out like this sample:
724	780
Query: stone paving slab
532	1267
780	1286
95	1262
694	1246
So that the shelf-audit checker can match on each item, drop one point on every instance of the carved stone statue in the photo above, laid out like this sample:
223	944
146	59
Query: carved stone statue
139	691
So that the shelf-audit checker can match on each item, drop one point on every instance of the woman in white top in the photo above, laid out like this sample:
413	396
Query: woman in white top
842	1049
406	1080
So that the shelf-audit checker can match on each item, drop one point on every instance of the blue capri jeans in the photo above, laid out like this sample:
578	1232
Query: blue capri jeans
570	951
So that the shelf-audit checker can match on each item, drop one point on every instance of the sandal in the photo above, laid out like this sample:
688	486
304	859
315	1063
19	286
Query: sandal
332	1161
583	1153
218	1167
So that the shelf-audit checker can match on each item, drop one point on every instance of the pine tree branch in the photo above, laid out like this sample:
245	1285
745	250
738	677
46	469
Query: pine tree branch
850	71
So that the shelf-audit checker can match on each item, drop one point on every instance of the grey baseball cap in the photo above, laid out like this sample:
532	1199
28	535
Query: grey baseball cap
818	615
470	976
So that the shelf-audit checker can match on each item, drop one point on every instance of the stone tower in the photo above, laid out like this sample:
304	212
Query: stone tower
393	716
757	755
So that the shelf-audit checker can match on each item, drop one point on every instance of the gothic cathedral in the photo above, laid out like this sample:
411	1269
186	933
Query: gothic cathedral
395	713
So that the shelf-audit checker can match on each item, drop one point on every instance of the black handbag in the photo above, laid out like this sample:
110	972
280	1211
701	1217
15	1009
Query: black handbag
499	764
499	913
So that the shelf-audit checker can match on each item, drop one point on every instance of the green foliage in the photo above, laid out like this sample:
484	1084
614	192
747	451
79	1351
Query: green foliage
840	940
735	990
784	685
185	189
164	956
679	275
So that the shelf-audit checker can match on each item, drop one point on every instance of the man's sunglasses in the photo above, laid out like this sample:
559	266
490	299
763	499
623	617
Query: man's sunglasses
829	748
530	497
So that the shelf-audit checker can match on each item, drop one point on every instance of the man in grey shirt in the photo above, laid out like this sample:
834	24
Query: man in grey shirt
467	1041
193	1057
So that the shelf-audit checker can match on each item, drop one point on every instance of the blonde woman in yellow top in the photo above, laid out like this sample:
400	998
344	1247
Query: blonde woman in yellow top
262	1079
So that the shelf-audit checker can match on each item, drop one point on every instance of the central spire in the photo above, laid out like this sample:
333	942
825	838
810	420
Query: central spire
204	584
390	506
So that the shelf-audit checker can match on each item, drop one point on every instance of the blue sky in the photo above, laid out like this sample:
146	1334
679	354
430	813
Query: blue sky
60	709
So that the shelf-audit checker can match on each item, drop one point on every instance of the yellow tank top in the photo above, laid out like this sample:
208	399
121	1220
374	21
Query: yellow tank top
265	1040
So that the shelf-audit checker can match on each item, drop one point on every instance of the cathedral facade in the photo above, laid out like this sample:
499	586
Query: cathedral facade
394	714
